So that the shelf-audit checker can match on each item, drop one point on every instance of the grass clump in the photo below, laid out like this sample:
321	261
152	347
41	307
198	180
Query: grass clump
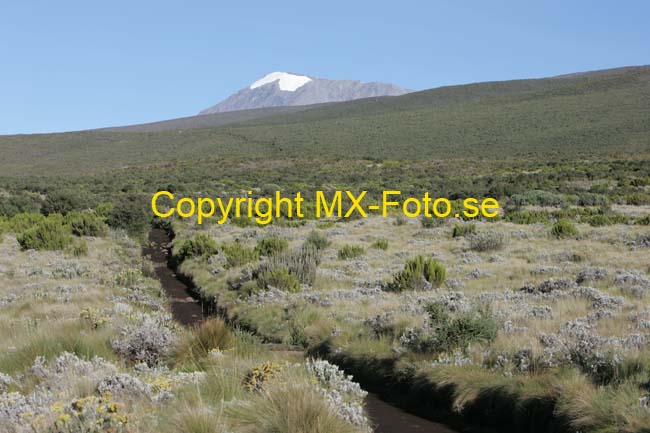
380	244
351	252
564	229
280	278
461	230
271	245
487	241
238	254
284	269
50	234
418	274
210	335
288	407
78	248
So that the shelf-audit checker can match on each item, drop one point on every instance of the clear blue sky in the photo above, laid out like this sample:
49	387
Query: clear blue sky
69	65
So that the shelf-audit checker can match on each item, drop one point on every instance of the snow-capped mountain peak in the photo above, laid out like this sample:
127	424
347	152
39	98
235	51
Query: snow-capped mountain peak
286	81
294	89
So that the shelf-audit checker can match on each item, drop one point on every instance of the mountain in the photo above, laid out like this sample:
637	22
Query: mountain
585	115
282	89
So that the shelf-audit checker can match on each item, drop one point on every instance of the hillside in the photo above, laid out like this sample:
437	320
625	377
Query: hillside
604	113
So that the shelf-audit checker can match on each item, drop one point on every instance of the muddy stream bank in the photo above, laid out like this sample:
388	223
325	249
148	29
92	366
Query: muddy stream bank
188	310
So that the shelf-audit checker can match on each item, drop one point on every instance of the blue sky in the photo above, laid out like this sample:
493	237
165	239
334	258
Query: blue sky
69	65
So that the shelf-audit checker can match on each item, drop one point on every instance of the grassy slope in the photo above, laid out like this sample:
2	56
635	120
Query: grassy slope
594	114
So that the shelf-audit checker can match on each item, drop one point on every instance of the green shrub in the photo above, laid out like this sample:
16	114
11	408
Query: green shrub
243	222
527	216
380	244
417	273
350	252
86	224
280	278
487	241
539	198
130	213
431	222
23	221
202	245
238	254
50	234
317	240
62	202
271	245
451	333
564	229
461	230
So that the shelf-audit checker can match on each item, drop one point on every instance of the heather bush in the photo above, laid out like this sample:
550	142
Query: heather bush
564	229
201	246
446	332
431	222
271	245
487	241
317	240
350	252
23	221
50	234
86	224
129	213
418	274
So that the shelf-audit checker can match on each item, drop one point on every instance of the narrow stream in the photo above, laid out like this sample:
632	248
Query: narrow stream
188	311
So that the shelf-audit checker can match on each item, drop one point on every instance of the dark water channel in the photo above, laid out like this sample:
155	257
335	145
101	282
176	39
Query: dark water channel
188	311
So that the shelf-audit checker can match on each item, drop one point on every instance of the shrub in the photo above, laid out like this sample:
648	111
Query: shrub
23	221
49	234
149	339
86	224
461	230
430	222
350	252
317	240
243	222
238	254
62	202
564	229
447	333
202	245
487	241
271	245
129	213
380	244
280	278
418	273
538	197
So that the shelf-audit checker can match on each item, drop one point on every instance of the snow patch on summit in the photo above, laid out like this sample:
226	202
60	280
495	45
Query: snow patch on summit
287	82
